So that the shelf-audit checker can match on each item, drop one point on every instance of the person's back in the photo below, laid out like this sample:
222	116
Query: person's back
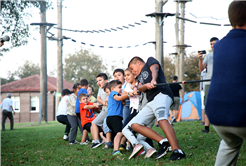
6	103
62	107
230	67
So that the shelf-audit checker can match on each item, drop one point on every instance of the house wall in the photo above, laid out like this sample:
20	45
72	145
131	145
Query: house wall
25	115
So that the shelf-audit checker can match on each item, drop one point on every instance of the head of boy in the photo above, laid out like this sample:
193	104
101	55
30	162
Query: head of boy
119	75
115	85
83	98
84	83
237	14
175	78
66	92
106	88
76	87
136	64
102	79
90	90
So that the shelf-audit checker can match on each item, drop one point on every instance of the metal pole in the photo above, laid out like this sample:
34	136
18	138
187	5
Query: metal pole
177	40
183	82
182	49
43	69
159	34
59	82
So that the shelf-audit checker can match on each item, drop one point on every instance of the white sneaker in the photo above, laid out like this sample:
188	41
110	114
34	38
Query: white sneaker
65	137
76	142
83	143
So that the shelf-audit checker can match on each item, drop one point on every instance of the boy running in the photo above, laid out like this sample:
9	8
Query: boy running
159	99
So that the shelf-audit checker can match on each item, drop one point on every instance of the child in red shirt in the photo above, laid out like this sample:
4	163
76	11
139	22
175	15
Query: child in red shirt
87	116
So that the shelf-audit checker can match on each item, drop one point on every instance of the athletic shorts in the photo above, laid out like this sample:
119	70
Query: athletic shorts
158	109
175	103
206	88
115	123
87	126
100	118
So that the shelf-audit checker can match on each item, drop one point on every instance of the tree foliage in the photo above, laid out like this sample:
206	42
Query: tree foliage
25	70
13	14
83	64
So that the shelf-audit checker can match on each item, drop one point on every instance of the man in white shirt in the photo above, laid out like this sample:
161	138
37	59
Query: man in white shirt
7	108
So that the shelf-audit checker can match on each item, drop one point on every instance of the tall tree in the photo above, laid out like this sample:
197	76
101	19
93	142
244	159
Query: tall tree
83	64
25	70
192	72
13	14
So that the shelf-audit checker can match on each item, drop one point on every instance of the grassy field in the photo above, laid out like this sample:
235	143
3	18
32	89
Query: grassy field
33	144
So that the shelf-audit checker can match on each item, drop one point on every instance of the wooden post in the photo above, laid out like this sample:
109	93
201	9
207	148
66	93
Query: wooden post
177	40
181	42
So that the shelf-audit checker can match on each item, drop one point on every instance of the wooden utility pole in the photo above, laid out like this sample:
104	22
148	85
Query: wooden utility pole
159	34
59	82
177	40
43	69
181	42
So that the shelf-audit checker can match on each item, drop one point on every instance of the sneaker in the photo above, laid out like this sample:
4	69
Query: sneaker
163	149
141	152
83	143
95	145
65	137
116	153
136	149
202	123
177	155
157	125
122	147
172	119
150	153
76	142
205	131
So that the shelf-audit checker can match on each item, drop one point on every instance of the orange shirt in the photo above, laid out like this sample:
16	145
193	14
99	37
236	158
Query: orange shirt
86	115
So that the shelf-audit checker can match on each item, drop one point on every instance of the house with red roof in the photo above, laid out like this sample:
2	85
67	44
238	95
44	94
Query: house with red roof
25	95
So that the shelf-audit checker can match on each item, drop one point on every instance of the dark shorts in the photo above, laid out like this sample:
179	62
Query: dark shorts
87	126
115	123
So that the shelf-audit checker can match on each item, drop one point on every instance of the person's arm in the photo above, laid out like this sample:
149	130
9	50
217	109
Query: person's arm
122	97
99	100
95	105
72	100
201	65
154	71
12	109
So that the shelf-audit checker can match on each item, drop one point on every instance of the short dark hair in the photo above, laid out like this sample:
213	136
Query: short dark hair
66	92
213	39
84	82
82	95
134	60
75	86
119	70
175	77
91	88
103	75
106	86
237	13
113	84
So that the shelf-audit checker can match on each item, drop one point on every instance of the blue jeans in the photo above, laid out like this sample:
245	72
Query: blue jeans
126	113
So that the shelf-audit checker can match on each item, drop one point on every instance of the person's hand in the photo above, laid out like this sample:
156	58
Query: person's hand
14	112
96	105
199	55
131	94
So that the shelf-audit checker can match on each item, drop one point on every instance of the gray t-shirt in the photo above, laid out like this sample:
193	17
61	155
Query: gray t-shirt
209	61
203	76
103	96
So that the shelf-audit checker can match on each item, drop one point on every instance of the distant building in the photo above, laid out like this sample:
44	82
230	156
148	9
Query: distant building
25	95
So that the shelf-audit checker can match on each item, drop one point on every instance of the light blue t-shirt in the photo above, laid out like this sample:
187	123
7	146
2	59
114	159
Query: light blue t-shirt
82	90
115	108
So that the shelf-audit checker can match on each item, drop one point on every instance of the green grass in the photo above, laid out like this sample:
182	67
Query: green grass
33	144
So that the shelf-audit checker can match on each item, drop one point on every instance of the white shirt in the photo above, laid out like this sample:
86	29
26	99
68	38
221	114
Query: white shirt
134	101
6	104
62	108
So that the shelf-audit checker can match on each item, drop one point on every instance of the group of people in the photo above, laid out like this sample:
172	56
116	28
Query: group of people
127	109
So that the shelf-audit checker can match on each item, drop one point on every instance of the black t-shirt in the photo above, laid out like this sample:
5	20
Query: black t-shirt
175	89
145	76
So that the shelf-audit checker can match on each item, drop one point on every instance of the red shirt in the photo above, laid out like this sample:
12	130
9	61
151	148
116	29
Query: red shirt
86	115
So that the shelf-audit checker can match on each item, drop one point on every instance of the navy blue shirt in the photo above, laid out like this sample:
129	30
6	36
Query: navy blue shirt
226	99
115	108
82	90
145	76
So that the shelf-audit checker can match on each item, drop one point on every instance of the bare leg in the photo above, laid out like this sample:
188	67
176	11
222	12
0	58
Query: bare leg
101	134
123	140
94	131
206	120
117	140
176	114
203	115
84	136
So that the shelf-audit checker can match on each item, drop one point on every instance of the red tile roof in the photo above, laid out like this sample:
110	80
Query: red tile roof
32	83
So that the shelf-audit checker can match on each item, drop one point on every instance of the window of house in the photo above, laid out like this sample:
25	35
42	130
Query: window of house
34	103
16	103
